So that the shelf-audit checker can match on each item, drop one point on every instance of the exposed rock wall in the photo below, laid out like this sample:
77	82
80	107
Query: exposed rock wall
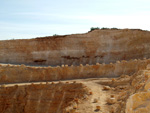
139	102
40	98
89	48
17	73
99	53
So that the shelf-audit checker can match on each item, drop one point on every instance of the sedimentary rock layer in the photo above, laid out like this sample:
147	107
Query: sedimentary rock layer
139	102
22	73
89	48
39	98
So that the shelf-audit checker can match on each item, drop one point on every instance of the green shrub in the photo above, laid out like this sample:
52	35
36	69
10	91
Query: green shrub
94	28
114	28
55	35
104	28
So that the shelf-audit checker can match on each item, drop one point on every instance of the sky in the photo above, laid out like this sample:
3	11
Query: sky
22	19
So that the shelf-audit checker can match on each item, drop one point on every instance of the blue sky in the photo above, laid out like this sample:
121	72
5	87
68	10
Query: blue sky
20	19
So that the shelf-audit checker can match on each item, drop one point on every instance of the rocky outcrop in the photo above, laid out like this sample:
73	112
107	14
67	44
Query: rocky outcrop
139	102
22	73
98	46
39	98
110	65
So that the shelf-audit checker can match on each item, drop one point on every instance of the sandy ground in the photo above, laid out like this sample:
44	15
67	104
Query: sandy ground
98	93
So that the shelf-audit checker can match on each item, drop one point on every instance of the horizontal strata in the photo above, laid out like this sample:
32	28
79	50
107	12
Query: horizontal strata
24	74
75	57
33	98
88	48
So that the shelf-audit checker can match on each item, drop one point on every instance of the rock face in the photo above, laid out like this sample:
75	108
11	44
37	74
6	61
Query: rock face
39	98
111	67
140	101
89	48
22	73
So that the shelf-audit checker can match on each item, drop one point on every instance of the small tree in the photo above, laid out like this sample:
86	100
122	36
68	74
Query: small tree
55	35
94	28
104	28
114	28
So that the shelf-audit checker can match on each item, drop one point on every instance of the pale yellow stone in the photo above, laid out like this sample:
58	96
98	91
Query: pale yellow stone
138	103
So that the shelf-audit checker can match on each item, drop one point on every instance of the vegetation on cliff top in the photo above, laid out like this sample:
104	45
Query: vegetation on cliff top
103	28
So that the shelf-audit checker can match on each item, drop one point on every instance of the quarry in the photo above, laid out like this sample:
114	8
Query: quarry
101	71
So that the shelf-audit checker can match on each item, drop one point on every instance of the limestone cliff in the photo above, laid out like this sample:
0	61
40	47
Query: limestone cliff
89	48
41	98
139	102
99	71
22	73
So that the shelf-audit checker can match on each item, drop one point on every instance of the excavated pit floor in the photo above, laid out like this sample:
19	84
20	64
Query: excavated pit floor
101	90
103	95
